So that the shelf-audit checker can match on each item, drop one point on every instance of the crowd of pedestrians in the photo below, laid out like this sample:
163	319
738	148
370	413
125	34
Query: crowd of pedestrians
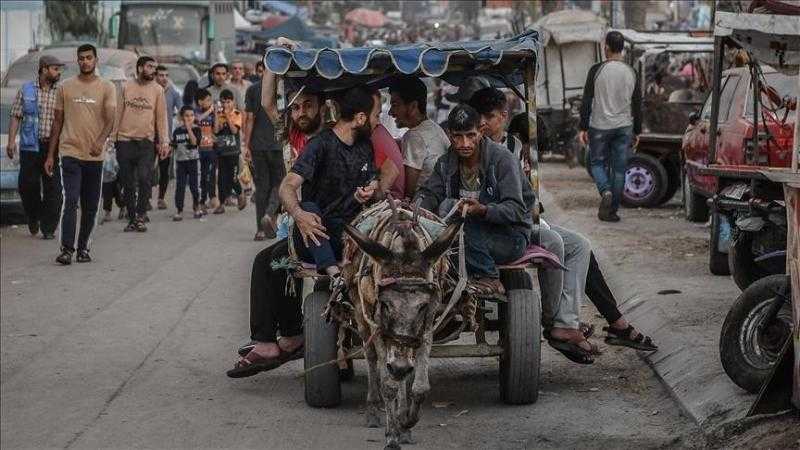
84	143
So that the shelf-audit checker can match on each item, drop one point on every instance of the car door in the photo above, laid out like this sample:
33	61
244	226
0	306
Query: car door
696	142
732	124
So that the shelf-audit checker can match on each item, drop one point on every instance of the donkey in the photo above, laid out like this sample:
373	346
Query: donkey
395	281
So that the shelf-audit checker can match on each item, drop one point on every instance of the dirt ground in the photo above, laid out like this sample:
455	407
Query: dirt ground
666	257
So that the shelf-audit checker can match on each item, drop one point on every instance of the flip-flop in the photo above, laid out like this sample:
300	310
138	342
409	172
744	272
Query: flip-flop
623	338
252	364
572	351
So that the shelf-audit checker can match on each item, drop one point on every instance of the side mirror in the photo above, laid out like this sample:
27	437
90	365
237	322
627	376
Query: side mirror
694	117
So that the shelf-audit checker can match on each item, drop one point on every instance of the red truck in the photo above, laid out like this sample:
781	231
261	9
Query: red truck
748	219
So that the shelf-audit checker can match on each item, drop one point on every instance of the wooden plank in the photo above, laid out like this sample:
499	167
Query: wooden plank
792	196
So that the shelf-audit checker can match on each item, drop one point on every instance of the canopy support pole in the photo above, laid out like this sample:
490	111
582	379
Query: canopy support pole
719	53
530	110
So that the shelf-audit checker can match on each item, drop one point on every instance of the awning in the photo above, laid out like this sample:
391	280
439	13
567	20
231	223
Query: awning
366	17
572	25
773	39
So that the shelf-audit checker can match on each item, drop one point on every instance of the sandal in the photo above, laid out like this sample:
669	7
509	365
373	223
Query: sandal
486	288
254	363
587	329
623	338
572	351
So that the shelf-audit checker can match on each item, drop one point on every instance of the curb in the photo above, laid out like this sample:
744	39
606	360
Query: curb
693	375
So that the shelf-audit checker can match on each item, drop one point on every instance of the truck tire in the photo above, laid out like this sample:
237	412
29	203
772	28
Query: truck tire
695	207
717	261
673	182
521	338
744	269
748	346
322	387
645	181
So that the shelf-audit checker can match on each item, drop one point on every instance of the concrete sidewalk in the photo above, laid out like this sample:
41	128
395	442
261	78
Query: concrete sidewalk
656	265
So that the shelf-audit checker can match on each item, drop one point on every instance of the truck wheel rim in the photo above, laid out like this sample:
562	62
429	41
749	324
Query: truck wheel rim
639	182
759	341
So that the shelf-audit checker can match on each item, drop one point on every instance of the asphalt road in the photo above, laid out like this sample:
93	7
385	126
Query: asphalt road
130	351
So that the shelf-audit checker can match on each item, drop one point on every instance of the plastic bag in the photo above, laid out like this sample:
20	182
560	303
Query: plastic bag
245	177
110	165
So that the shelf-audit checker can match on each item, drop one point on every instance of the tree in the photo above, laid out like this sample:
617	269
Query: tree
73	19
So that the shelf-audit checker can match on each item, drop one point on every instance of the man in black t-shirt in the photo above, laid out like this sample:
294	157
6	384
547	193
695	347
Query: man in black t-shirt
336	173
267	159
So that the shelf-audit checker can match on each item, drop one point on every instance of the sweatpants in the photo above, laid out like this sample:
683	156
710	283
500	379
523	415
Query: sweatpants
562	290
135	171
163	176
227	174
208	175
82	182
272	309
41	194
112	192
186	174
268	172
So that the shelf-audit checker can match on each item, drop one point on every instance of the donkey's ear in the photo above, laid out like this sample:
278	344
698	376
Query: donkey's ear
442	243
369	246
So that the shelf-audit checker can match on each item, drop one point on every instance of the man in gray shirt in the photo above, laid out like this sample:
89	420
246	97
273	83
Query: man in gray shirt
610	123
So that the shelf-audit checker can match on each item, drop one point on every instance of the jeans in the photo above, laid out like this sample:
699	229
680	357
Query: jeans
272	309
186	173
163	176
227	174
487	245
562	290
112	192
135	171
208	177
608	159
329	251
41	194
268	171
82	181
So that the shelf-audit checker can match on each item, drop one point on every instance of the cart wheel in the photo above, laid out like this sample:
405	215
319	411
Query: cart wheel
694	204
322	384
717	260
645	181
521	340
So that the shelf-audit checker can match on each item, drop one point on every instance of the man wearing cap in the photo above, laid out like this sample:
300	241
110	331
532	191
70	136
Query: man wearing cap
34	109
425	141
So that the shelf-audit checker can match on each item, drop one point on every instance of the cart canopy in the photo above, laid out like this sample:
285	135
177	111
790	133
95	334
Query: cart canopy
571	25
325	69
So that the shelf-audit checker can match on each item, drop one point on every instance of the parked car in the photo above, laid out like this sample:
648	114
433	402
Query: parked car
180	74
10	202
748	218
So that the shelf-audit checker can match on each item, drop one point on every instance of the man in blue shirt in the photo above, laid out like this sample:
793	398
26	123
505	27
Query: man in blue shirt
173	101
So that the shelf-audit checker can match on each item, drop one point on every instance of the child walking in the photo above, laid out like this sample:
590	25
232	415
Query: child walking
208	155
185	142
227	124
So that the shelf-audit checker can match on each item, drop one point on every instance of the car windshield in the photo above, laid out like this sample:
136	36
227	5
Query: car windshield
164	31
785	85
19	73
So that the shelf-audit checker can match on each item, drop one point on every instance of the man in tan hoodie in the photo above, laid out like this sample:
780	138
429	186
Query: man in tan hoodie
142	121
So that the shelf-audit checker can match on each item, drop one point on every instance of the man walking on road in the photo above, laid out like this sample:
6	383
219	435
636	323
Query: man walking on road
267	158
142	117
34	109
173	101
84	117
611	120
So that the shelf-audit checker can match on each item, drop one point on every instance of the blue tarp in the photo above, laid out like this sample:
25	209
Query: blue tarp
294	29
424	59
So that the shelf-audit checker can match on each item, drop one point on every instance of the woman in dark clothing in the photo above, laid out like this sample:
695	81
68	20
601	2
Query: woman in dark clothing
189	92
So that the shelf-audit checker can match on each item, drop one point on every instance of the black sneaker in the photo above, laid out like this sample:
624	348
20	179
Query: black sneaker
140	226
130	227
33	227
65	258
83	256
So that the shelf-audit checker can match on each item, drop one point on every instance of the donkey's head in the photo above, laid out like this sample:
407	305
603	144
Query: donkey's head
408	290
